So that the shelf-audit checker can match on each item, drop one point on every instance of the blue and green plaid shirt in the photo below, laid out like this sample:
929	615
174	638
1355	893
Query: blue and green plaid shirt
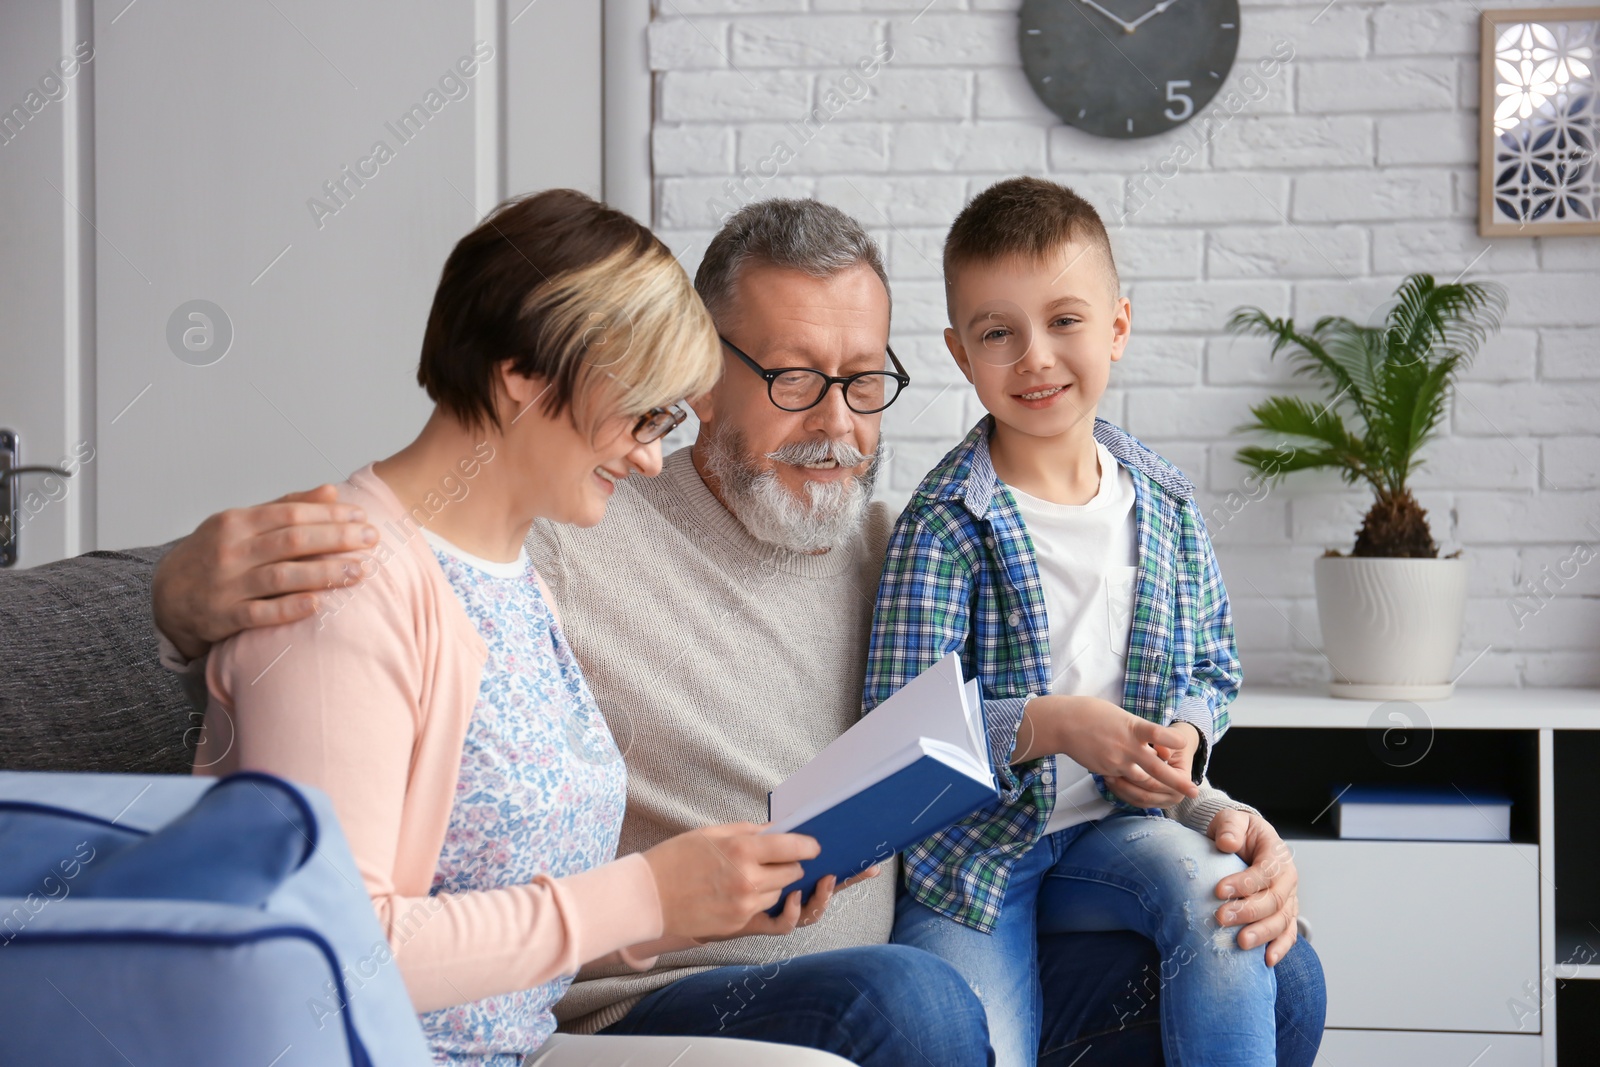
960	575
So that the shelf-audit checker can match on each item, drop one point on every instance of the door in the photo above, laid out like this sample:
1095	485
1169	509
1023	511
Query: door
221	241
46	396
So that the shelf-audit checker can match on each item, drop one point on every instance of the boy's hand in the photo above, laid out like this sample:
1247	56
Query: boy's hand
1180	759
1113	743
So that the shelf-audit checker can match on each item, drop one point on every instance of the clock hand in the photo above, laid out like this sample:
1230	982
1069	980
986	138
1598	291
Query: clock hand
1152	13
1126	27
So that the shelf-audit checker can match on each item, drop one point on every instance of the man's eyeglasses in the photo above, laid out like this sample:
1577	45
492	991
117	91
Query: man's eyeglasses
800	388
656	423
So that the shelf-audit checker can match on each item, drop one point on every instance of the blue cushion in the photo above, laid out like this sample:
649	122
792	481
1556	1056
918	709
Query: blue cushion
236	845
45	849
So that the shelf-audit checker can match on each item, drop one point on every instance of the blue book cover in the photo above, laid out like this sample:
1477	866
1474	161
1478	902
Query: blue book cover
1415	794
1421	813
913	766
870	827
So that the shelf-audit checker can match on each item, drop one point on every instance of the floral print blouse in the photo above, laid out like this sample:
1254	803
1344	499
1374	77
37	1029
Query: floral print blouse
541	789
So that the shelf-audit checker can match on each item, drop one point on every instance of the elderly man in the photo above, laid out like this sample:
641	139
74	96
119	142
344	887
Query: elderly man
761	547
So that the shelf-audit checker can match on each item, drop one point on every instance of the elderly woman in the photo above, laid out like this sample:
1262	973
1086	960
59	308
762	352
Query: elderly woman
439	704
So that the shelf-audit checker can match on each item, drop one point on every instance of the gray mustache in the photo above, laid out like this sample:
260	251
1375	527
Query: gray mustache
841	452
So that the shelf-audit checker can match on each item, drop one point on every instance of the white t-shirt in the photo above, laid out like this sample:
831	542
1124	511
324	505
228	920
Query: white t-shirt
516	568
1088	556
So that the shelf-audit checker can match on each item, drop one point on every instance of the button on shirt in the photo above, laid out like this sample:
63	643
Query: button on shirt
1088	559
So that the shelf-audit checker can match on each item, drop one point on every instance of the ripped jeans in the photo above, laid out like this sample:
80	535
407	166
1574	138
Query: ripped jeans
1146	874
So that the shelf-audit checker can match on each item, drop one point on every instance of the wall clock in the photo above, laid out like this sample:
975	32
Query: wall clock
1539	120
1128	68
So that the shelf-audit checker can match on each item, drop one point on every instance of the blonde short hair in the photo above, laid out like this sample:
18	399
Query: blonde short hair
573	292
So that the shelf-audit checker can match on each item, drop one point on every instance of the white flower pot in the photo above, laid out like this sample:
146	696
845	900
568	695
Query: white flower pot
1391	627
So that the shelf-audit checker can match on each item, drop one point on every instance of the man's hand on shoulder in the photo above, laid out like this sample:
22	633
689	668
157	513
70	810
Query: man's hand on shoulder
1264	897
256	566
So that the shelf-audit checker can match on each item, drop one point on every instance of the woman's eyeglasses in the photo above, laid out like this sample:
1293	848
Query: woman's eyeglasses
656	423
800	388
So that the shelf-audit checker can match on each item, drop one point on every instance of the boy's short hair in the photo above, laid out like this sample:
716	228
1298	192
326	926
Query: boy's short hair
573	292
1027	217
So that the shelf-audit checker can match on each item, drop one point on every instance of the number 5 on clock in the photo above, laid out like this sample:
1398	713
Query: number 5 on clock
1174	95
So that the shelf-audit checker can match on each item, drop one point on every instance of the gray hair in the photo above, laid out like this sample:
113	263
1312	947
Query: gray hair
803	235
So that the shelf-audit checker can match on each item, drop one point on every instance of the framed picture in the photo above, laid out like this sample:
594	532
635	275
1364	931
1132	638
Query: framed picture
1539	122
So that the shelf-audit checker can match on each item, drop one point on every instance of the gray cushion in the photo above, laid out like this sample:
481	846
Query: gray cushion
81	687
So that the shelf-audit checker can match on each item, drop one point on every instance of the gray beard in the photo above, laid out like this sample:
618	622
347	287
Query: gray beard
830	514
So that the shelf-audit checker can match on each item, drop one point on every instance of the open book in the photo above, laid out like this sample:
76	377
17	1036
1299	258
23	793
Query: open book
913	766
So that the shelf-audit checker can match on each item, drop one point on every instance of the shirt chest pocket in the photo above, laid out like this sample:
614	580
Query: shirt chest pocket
1119	587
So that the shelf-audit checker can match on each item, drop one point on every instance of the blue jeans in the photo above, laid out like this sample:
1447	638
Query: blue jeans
1148	875
877	1006
1102	995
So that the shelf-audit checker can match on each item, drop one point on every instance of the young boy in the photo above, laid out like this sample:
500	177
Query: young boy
1069	565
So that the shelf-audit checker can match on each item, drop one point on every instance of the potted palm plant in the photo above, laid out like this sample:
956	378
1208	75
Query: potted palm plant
1392	609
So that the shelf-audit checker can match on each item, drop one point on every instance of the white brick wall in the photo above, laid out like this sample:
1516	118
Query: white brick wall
1356	167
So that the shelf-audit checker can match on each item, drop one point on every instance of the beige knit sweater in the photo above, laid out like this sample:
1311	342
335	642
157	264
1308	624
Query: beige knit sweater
722	665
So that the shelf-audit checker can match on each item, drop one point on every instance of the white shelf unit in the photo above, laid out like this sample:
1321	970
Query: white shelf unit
1437	952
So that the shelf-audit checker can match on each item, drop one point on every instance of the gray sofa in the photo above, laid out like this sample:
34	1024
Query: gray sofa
81	688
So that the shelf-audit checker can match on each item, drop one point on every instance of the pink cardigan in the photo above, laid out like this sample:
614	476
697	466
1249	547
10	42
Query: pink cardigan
369	701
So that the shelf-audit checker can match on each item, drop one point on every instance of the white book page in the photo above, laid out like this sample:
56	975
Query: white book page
973	701
932	705
1459	822
955	758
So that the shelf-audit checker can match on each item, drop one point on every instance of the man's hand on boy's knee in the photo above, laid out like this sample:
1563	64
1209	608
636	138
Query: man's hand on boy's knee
1264	897
248	567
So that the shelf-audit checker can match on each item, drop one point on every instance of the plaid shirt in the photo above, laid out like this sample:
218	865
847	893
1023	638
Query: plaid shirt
960	575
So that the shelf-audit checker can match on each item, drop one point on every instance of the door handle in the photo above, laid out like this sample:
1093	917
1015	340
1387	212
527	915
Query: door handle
10	497
16	471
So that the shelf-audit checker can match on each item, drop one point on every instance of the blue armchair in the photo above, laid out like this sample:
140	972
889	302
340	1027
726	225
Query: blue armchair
177	920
